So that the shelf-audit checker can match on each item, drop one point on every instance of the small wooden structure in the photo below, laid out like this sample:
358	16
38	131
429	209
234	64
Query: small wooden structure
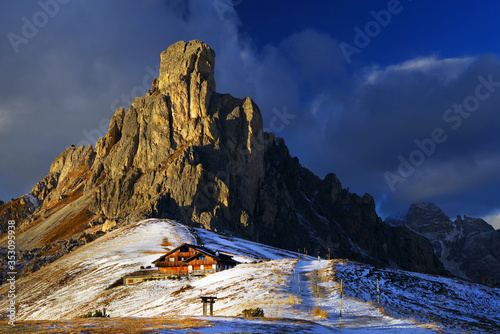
193	260
208	300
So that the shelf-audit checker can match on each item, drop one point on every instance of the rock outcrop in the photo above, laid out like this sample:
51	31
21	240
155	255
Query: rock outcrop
184	151
468	247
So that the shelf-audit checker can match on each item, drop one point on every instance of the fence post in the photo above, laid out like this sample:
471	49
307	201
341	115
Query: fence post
378	297
340	320
317	291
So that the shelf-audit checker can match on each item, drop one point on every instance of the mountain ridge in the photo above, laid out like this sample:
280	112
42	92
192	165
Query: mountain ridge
186	152
468	247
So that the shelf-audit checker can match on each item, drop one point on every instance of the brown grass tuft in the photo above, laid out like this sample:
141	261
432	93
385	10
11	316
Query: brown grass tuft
165	243
181	290
293	300
320	313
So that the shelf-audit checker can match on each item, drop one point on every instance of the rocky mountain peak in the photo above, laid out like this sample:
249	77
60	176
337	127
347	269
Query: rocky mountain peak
467	246
187	78
476	225
425	211
188	153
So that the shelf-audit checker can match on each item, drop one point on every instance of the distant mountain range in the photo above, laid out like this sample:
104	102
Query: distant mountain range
468	247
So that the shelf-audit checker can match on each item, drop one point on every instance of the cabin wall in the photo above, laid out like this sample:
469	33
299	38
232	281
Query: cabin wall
177	258
173	264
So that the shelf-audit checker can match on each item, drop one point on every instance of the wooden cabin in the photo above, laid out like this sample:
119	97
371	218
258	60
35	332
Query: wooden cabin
189	259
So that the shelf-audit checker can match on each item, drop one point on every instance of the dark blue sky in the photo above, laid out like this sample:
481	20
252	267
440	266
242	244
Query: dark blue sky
361	116
447	28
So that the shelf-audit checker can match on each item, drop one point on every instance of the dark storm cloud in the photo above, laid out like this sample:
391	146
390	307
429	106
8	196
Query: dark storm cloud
62	82
395	112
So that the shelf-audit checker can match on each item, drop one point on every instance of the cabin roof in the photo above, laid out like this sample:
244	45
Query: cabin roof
220	256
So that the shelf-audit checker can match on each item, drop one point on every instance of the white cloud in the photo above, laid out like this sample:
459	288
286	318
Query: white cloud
493	220
446	69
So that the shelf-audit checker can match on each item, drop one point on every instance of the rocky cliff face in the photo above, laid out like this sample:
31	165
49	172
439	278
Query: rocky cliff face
184	151
468	247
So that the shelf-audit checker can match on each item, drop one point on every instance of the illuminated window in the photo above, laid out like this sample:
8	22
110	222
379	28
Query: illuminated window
171	259
201	258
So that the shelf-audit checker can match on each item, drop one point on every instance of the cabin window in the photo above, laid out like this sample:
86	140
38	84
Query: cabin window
171	259
181	259
201	267
214	266
202	257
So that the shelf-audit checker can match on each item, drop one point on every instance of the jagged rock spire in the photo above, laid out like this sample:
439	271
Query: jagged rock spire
187	77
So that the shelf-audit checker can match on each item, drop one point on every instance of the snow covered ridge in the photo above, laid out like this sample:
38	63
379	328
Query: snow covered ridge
284	287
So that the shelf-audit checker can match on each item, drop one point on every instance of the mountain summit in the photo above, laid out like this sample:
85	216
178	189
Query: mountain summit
468	247
185	152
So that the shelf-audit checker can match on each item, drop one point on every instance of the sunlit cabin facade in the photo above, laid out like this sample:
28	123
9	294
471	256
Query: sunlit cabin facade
193	260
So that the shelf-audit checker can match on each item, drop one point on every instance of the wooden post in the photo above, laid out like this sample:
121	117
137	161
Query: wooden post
340	320
378	297
298	276
317	291
208	300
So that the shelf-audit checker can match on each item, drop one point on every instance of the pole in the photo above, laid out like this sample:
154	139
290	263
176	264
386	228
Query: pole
298	276
317	291
378	297
340	321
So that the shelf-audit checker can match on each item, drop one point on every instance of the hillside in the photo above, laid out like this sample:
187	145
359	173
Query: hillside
186	152
80	281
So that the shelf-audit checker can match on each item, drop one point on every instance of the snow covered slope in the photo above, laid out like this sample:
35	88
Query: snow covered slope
288	285
453	303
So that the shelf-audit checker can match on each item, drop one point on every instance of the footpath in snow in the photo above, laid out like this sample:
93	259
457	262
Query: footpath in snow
317	279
